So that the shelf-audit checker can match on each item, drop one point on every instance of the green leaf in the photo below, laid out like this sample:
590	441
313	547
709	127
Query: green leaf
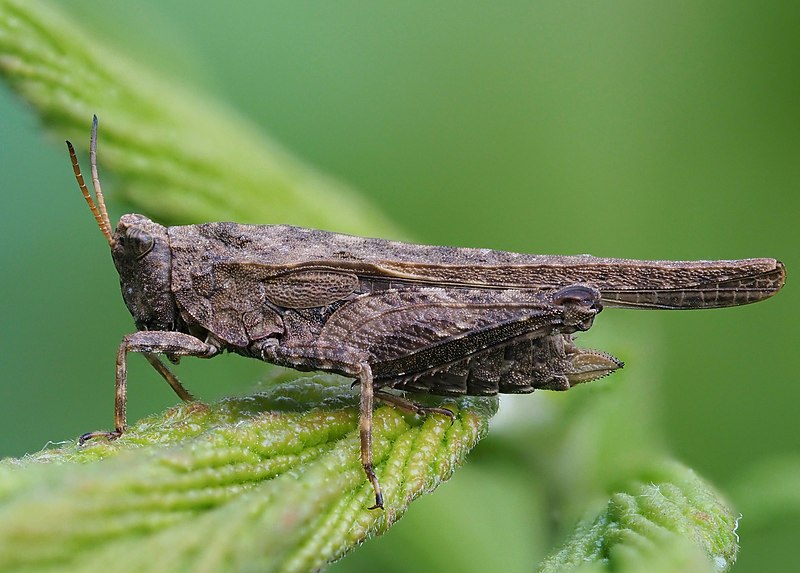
672	520
178	157
267	482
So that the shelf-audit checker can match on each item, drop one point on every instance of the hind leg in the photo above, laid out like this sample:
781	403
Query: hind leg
412	407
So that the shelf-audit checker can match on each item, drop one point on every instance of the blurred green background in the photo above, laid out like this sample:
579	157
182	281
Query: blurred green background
626	129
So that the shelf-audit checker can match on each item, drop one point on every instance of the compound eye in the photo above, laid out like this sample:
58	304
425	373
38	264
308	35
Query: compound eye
138	242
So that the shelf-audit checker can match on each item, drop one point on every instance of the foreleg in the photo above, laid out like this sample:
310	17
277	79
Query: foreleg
150	342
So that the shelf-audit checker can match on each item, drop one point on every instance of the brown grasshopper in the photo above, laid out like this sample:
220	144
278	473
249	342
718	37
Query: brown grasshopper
392	315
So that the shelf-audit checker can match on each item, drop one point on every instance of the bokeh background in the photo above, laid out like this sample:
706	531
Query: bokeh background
625	129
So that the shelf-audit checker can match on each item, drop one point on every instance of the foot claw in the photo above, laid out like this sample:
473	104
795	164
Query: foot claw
378	501
373	479
424	411
110	436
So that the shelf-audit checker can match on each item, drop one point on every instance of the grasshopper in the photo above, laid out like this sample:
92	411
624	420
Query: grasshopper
391	315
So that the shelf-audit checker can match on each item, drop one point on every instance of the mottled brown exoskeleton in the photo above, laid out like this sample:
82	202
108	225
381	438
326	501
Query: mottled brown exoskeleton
440	320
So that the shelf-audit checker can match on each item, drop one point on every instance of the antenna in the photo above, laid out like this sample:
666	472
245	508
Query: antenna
98	209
